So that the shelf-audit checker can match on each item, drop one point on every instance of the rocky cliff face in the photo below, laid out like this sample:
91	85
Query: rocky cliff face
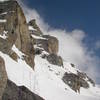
13	92
75	81
14	31
3	77
48	43
30	40
14	27
34	28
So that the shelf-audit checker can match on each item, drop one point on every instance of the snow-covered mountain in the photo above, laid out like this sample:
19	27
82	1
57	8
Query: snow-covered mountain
29	62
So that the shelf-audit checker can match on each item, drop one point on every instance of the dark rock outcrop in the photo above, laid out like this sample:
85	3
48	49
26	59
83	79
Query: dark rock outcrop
49	44
53	44
14	56
37	30
3	77
13	92
84	76
16	29
38	51
75	81
8	13
55	60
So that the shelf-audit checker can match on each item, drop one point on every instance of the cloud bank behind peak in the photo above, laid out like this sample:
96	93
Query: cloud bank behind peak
71	45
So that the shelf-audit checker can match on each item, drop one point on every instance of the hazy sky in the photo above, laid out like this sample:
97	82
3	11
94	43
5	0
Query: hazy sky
73	14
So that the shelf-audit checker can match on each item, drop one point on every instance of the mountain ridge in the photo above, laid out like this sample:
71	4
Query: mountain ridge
31	59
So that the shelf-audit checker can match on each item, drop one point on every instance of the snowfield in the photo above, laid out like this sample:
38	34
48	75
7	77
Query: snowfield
46	79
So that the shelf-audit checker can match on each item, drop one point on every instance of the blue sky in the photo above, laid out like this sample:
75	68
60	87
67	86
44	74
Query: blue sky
72	14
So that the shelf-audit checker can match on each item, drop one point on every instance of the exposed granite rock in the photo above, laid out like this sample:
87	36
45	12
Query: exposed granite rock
53	44
49	44
84	76
54	59
5	46
16	29
75	81
14	56
72	65
37	30
7	13
13	92
3	77
38	51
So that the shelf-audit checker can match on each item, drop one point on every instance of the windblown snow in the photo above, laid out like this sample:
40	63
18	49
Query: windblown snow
3	0
46	79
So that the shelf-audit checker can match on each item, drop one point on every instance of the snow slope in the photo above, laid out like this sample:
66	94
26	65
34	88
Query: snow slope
46	79
52	87
4	35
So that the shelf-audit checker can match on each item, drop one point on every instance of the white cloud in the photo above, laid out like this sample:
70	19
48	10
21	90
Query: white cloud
71	46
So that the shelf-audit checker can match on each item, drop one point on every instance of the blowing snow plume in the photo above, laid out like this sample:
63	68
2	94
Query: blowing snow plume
71	45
